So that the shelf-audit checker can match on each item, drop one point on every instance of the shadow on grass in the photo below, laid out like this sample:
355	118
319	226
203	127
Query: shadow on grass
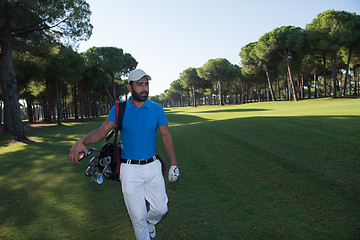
44	196
257	177
235	110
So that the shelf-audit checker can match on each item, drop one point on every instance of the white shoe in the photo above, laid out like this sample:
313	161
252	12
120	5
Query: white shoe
152	230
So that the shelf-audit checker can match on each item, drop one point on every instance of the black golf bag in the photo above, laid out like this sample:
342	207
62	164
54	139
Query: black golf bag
108	161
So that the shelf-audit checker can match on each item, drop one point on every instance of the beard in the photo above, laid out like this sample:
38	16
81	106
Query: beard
140	97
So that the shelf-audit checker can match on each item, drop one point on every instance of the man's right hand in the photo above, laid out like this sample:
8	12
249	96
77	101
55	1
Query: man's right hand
75	150
93	137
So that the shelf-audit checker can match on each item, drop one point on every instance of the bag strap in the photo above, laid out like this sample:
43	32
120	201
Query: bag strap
120	110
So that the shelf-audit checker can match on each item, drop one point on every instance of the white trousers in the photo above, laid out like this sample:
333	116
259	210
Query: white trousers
141	183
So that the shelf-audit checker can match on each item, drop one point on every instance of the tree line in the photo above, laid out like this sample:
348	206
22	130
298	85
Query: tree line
288	63
38	64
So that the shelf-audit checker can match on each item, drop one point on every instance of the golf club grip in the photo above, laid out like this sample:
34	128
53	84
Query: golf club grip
81	156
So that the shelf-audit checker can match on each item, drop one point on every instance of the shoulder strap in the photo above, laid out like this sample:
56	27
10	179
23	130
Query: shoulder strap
120	110
117	111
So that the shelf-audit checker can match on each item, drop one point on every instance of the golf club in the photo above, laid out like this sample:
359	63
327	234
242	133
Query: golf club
97	177
107	171
105	161
82	154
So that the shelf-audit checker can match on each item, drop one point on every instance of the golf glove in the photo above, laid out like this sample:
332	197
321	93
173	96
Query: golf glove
173	173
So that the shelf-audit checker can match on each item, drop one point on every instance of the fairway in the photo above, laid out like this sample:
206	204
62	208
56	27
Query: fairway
272	170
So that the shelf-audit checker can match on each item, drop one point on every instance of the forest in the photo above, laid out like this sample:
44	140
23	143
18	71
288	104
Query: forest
44	78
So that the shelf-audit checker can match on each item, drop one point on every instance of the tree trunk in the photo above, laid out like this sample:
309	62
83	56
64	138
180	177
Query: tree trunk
82	104
193	93
47	102
113	87
324	75
107	90
7	118
315	88
221	97
333	60
269	82
9	84
347	72
350	84
302	87
75	103
1	112
290	77
58	101
355	82
30	112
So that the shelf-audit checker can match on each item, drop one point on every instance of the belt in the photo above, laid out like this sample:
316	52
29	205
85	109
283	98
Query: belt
139	162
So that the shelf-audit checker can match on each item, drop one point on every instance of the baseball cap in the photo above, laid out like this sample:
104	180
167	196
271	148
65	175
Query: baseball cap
136	75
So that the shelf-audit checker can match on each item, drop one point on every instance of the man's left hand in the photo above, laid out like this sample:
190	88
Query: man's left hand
173	173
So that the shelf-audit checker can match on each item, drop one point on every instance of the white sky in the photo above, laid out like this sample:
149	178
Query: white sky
168	36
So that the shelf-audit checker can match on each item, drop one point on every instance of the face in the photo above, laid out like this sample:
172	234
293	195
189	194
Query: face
140	89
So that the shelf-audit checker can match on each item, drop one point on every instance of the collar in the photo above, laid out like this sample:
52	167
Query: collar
145	105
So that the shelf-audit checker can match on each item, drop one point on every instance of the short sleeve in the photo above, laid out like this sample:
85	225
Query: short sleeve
112	115
162	120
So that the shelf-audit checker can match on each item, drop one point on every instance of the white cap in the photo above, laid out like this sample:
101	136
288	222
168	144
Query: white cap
136	75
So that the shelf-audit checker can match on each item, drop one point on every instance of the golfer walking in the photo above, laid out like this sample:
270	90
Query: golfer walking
140	172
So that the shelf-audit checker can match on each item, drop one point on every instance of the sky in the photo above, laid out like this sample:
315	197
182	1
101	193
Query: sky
168	36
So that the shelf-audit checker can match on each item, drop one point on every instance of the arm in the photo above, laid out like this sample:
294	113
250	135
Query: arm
93	137
168	144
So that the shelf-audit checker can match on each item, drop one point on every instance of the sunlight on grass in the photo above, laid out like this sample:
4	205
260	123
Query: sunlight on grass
12	147
329	107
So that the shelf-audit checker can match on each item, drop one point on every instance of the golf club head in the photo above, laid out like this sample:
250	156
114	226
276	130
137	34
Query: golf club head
107	171
105	161
92	162
97	177
90	171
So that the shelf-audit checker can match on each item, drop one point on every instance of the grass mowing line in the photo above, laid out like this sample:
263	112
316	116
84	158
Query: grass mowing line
254	171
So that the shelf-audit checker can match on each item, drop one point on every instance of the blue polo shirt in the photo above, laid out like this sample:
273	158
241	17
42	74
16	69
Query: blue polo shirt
139	128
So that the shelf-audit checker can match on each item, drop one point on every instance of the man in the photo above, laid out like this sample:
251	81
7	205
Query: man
140	183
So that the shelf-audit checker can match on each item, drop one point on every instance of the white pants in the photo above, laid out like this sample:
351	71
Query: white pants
141	183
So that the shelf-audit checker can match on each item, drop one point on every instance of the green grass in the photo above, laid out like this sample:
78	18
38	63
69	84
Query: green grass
283	170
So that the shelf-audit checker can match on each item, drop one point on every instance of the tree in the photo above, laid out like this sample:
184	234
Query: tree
65	66
286	41
331	30
217	70
30	72
253	63
189	78
178	87
113	62
36	20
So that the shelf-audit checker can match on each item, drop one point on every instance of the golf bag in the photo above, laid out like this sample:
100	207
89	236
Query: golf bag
110	153
108	161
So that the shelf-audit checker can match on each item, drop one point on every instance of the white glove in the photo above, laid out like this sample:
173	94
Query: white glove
173	173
